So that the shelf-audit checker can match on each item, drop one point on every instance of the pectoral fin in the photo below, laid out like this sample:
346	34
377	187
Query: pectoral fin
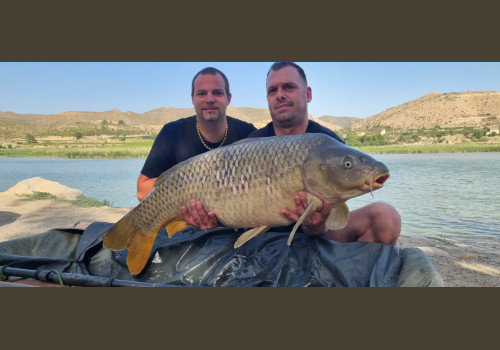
304	215
175	226
338	218
249	235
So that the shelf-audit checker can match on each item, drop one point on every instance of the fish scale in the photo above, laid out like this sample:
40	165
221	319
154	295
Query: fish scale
246	184
235	177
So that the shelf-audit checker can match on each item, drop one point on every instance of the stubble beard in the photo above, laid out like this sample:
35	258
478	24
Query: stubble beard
212	116
285	119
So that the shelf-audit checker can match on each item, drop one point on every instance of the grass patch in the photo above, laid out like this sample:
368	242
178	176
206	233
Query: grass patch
136	144
39	196
79	149
433	148
141	149
80	201
106	154
70	152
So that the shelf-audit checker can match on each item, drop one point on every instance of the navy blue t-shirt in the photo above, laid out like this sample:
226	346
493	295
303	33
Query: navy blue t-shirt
312	127
178	141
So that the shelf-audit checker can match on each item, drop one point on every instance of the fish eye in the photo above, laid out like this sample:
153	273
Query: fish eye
348	163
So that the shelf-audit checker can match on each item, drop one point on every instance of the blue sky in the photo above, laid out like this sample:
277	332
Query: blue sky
359	89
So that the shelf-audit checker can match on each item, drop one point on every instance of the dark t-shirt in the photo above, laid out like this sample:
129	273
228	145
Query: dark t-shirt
312	127
178	141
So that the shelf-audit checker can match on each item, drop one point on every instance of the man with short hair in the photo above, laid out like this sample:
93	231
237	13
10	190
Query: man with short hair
187	137
288	95
289	115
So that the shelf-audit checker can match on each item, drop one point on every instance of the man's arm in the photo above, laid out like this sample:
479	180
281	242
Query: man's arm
144	186
198	217
375	222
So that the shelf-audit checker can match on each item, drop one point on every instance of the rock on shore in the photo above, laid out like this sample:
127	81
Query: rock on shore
37	184
20	216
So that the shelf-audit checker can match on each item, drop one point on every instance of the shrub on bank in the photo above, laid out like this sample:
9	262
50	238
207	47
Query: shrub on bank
80	201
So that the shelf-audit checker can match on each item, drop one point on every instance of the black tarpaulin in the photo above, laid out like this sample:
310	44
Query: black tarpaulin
207	258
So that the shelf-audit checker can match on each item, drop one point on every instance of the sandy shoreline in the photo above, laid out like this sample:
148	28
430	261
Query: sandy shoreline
462	261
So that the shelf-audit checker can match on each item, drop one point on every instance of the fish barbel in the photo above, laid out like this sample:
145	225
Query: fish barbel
247	184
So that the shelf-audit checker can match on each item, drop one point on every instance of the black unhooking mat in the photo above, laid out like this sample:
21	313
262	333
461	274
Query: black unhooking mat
207	258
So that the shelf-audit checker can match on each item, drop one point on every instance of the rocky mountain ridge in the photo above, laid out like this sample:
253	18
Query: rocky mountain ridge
447	110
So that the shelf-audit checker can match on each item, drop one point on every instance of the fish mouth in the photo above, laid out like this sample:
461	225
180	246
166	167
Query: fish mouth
378	182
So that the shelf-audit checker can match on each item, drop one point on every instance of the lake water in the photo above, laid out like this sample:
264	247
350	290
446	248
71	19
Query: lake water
434	193
105	179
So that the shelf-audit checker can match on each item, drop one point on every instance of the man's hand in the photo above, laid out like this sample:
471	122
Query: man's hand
198	216
315	223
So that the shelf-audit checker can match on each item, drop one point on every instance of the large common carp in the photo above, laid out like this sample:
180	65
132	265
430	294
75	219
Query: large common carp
246	185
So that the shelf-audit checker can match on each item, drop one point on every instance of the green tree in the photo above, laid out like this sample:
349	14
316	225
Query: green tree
78	135
477	133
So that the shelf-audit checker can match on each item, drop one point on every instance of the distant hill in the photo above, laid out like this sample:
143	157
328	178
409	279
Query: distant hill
340	122
447	110
14	125
257	116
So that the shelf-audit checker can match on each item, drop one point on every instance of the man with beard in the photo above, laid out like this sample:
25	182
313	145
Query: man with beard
179	140
288	95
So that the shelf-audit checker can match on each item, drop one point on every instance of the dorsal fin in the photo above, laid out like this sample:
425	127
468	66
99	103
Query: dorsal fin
248	139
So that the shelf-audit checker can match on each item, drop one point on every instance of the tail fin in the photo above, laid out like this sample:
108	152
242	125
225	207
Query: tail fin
139	251
124	234
120	235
